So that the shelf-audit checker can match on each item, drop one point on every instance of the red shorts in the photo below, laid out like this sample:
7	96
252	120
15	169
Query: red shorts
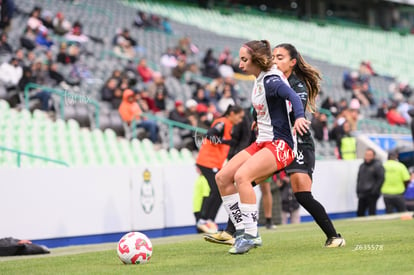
284	155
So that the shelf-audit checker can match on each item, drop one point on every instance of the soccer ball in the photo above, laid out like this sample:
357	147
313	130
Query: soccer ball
134	248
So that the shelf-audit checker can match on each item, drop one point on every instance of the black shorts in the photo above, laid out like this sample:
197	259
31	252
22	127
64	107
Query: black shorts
303	163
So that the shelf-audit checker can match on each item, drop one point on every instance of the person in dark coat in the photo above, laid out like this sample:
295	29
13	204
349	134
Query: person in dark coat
369	180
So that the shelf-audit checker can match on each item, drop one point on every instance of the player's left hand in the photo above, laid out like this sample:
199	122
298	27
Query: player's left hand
301	126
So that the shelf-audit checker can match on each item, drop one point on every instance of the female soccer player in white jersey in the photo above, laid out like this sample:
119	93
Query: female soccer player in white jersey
274	148
304	79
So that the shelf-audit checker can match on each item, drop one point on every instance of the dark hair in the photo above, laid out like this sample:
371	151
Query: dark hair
261	53
372	150
233	108
306	73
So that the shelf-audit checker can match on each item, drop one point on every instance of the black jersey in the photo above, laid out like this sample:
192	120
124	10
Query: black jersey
300	88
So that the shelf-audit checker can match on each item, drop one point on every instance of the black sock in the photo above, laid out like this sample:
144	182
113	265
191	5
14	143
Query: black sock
230	227
318	213
268	220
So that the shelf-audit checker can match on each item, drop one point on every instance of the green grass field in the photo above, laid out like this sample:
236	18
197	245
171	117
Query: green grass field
374	246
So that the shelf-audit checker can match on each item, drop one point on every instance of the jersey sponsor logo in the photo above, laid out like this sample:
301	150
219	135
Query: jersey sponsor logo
283	152
260	109
299	157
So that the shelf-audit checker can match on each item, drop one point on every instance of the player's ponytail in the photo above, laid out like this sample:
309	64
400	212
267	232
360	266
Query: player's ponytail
305	72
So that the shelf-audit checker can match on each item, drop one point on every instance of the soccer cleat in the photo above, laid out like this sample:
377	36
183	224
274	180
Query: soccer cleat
257	241
244	243
270	226
203	227
221	237
212	225
335	241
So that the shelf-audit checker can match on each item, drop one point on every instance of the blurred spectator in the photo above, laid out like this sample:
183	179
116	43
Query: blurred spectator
319	125
122	36
67	55
224	56
144	71
124	49
352	114
210	65
141	20
7	11
108	90
401	87
47	19
178	114
330	105
168	59
393	188
159	101
149	101
157	86
5	47
369	181
28	39
42	38
180	69
365	68
359	85
405	89
411	113
34	21
76	35
409	192
61	26
201	191
200	97
130	110
382	110
166	25
225	69
13	247
394	117
346	143
10	73
226	99
187	47
290	206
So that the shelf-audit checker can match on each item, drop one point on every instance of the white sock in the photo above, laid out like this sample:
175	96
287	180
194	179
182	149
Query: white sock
250	216
231	204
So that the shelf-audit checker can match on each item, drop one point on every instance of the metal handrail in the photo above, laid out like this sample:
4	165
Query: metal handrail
63	95
20	153
171	124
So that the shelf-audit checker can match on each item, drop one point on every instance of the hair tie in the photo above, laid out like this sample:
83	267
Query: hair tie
247	47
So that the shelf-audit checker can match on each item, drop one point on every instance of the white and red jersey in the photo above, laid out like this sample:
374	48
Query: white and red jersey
272	99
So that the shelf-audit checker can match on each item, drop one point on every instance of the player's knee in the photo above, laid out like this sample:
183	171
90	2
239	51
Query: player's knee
241	177
221	179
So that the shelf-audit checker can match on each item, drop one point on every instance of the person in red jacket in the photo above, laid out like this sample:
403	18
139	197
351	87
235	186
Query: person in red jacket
144	71
394	117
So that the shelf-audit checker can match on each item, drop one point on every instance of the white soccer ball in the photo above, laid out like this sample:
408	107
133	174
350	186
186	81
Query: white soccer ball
134	248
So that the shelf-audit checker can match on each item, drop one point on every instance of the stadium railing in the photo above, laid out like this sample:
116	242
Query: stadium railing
62	95
21	153
171	124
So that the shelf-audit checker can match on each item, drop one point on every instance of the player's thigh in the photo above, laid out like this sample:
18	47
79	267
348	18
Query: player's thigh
261	164
301	182
228	171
